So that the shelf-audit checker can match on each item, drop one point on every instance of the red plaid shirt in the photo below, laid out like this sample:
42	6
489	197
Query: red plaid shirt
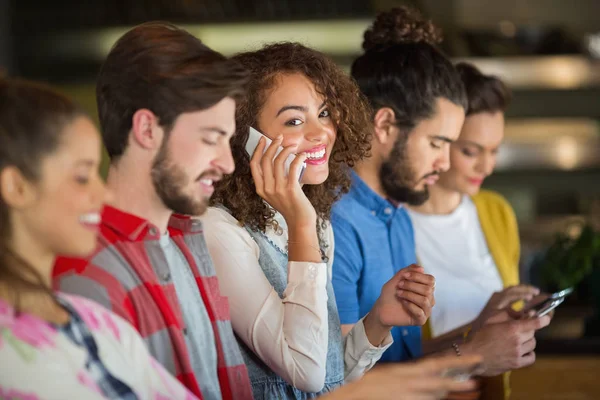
128	274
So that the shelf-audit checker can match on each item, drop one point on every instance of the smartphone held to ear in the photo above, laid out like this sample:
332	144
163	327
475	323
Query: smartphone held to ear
253	139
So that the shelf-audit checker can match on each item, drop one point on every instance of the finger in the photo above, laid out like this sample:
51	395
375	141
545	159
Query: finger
267	164
436	366
279	166
527	360
516	293
420	277
418	288
255	168
528	346
418	313
442	386
296	168
535	324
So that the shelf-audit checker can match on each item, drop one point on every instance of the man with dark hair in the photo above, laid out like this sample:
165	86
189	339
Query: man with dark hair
419	104
166	104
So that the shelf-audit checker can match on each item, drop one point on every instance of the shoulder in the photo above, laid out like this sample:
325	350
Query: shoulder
222	228
97	318
490	202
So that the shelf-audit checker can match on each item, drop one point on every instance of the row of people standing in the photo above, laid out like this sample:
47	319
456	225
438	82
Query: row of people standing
168	108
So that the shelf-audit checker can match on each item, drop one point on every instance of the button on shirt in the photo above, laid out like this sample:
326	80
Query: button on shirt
200	339
373	240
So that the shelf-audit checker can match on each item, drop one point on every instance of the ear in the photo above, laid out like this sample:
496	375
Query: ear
15	189
384	123
145	129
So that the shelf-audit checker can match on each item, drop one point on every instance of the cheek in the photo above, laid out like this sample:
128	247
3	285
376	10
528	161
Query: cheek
461	164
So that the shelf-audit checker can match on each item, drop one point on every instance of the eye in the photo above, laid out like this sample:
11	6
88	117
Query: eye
82	180
468	153
294	122
436	145
325	114
209	142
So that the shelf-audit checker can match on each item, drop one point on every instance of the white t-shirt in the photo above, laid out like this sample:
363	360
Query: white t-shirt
453	249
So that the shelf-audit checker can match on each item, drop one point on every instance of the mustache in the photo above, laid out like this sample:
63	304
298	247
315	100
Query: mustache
211	174
434	173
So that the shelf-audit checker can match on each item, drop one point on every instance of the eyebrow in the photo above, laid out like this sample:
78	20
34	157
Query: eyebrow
87	163
470	143
295	107
442	138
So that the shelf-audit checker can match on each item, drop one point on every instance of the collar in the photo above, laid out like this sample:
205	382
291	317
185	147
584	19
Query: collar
378	206
135	228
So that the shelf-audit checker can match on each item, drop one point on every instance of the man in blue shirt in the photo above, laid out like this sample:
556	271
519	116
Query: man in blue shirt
419	103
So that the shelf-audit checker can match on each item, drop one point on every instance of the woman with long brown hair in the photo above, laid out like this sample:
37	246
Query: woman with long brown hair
269	233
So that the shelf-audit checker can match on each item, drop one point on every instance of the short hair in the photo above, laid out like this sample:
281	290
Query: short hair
485	93
162	68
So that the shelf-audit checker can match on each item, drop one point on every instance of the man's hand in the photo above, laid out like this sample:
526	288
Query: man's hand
405	300
421	380
506	346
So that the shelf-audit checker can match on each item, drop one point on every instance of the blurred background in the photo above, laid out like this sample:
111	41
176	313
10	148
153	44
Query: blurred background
548	51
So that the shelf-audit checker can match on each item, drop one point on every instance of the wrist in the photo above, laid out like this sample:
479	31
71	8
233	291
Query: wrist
375	330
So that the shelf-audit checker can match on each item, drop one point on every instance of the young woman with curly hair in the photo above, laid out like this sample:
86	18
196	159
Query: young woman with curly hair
269	233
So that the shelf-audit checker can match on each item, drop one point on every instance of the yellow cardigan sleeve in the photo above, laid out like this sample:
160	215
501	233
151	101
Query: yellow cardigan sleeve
501	232
499	226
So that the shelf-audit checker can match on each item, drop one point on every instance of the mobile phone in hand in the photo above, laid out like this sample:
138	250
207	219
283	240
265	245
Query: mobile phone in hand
253	139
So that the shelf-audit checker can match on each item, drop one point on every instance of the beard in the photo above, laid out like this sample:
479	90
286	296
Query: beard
397	176
169	181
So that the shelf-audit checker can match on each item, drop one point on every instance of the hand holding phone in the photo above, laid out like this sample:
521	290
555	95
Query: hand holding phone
253	138
276	172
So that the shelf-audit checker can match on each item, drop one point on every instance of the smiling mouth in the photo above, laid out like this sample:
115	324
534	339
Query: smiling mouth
317	155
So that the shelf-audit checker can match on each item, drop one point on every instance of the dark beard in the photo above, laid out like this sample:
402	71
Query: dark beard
169	181
396	176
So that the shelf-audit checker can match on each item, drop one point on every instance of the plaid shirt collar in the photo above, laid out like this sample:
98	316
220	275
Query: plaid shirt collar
135	228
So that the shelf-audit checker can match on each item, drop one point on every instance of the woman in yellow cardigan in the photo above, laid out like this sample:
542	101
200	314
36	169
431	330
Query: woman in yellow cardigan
466	237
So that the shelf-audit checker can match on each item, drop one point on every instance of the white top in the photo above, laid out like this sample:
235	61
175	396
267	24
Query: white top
453	249
289	334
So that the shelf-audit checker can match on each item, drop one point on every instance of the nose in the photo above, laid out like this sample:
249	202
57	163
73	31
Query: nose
488	164
317	134
442	163
224	162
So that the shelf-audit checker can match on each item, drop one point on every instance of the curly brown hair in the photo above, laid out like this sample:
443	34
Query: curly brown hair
348	109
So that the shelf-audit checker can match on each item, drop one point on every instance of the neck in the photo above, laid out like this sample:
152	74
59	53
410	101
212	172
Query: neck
441	201
33	300
368	170
134	193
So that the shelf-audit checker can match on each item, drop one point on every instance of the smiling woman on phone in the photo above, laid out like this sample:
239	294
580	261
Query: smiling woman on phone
269	233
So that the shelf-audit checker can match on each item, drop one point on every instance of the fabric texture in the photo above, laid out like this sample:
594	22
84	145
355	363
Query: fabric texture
199	336
128	274
452	247
289	326
96	355
500	229
373	241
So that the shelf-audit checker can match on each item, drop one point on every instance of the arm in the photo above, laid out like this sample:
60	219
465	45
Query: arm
362	350
289	334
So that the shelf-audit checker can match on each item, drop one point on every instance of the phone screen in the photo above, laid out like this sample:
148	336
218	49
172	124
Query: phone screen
253	139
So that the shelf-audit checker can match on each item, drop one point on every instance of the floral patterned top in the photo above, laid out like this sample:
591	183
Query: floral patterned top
97	355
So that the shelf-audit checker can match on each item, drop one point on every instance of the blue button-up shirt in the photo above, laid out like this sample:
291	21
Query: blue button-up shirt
373	240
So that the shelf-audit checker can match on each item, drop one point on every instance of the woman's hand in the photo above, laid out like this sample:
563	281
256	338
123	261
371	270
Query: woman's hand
498	308
283	193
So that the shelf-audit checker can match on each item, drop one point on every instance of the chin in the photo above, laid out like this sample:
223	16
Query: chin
314	177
